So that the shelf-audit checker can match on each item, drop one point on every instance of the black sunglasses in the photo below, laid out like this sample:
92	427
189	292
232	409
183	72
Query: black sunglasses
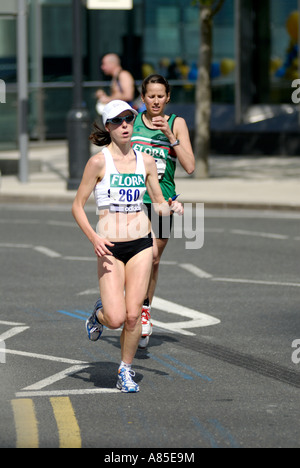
119	120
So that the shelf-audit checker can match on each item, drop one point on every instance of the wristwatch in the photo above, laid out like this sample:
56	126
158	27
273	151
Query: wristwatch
176	143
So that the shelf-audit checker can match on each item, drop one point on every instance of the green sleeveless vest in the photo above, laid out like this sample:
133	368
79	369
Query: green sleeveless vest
155	143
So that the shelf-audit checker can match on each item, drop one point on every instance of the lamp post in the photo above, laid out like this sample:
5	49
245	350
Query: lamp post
78	119
22	90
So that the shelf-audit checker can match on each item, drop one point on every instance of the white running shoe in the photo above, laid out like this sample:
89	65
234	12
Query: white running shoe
146	321
144	341
125	382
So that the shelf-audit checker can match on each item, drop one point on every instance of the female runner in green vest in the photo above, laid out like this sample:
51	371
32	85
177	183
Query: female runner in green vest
166	138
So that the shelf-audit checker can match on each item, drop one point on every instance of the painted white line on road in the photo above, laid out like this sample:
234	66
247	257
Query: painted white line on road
47	252
61	223
248	281
259	234
12	332
20	221
56	377
168	262
44	356
15	324
195	270
198	319
214	230
87	391
81	259
89	292
15	246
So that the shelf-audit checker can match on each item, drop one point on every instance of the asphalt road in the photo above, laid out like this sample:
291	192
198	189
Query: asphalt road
221	369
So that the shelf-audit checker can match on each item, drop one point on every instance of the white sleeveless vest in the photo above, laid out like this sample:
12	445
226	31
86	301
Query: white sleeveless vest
121	192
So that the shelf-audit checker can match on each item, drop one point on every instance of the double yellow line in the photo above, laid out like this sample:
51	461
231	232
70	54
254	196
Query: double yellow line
27	424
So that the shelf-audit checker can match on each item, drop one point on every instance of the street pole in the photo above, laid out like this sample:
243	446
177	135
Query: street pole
22	89
298	6
78	119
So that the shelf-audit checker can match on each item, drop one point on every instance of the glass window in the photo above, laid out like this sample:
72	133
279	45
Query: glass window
172	41
223	65
284	49
8	73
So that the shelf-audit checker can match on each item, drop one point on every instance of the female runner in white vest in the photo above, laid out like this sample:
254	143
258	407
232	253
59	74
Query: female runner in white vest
119	177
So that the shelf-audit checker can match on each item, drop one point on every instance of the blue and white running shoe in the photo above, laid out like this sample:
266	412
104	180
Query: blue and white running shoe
93	327
125	382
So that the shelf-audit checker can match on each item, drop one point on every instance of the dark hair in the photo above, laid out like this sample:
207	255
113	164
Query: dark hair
155	78
100	137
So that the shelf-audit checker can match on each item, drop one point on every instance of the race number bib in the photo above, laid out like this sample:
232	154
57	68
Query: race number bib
127	189
161	165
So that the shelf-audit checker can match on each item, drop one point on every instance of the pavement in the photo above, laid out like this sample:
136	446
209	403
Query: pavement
260	182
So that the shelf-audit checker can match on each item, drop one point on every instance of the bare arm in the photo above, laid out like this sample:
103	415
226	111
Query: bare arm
124	90
161	206
184	150
93	171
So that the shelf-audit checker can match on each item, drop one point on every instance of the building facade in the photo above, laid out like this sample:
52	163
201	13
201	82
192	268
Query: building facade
255	59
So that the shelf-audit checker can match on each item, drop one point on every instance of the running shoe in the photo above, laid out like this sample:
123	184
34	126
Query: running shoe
125	382
93	327
144	341
146	321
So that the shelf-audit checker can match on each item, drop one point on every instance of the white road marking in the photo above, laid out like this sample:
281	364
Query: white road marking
15	324
81	259
168	262
61	223
56	377
195	270
47	252
249	281
259	234
198	319
12	332
44	356
89	292
19	221
17	328
15	246
87	391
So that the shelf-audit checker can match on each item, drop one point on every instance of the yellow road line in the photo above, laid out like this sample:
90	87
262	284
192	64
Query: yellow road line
68	429
26	423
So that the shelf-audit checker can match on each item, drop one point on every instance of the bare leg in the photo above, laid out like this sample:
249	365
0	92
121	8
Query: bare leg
137	274
161	245
111	274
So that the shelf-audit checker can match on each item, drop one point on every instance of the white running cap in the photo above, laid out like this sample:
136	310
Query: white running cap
115	108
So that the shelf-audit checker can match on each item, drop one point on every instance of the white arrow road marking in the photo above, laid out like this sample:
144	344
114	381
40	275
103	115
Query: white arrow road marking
44	356
198	319
36	388
9	334
17	328
12	332
4	322
56	377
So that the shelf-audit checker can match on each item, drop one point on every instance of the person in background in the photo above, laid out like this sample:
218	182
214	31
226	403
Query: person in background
122	84
166	139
